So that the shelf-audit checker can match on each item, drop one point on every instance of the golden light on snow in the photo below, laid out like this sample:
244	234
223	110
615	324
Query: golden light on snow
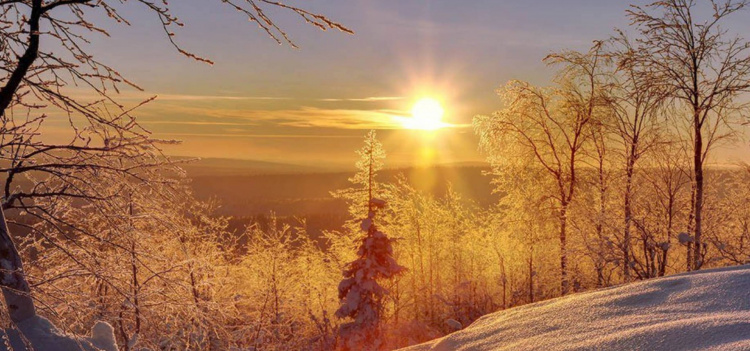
427	114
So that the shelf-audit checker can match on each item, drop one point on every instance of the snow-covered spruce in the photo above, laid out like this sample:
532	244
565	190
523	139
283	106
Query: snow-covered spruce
361	295
703	310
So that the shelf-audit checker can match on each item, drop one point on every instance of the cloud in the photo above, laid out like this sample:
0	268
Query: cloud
304	117
366	99
308	117
265	136
181	97
134	95
199	123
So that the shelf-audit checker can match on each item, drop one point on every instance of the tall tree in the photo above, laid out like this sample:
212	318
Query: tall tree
365	183
360	291
551	126
601	148
636	101
705	69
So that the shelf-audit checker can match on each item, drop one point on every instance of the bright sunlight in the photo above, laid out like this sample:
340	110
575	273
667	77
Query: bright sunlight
427	114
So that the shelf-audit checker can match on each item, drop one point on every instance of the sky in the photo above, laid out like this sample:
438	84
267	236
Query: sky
312	105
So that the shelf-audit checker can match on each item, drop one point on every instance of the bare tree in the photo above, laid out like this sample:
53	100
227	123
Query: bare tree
551	126
667	181
104	136
599	248
704	68
151	254
733	218
636	101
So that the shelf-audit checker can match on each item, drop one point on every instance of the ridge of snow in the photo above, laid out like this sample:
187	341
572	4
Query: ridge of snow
704	310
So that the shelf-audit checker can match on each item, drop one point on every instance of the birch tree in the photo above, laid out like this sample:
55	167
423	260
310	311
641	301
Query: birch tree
549	125
706	70
636	102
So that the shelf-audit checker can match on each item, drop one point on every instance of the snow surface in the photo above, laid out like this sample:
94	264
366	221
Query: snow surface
705	310
40	334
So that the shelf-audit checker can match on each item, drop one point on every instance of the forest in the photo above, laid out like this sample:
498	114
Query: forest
605	177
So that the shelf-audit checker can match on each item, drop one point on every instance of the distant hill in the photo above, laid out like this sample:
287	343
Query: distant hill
248	194
227	166
300	193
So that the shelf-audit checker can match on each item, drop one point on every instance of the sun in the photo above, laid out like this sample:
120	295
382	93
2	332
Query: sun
427	114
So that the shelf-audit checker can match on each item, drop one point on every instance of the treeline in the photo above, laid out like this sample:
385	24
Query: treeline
172	277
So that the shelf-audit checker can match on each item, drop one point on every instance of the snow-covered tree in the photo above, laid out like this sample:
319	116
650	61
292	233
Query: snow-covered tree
360	292
706	69
150	271
550	127
365	187
286	289
45	52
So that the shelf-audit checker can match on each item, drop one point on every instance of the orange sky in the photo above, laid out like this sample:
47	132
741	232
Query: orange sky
262	101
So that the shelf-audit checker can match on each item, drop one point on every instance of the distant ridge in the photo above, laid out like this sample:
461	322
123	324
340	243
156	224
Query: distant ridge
229	166
216	166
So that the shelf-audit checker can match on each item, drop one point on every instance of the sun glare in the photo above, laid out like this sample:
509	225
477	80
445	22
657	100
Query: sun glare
427	114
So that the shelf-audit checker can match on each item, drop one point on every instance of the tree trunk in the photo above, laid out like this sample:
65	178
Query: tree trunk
136	288
531	275
628	219
13	282
690	226
12	278
698	168
563	250
663	263
600	262
504	281
670	224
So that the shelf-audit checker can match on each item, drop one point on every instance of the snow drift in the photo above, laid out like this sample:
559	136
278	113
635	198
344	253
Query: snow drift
706	310
38	333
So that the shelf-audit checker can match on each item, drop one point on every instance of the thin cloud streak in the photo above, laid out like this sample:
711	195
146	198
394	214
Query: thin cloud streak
266	136
131	95
142	96
177	97
180	97
305	117
308	117
200	123
366	99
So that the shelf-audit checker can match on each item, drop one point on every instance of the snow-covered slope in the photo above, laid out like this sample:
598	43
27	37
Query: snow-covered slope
706	310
